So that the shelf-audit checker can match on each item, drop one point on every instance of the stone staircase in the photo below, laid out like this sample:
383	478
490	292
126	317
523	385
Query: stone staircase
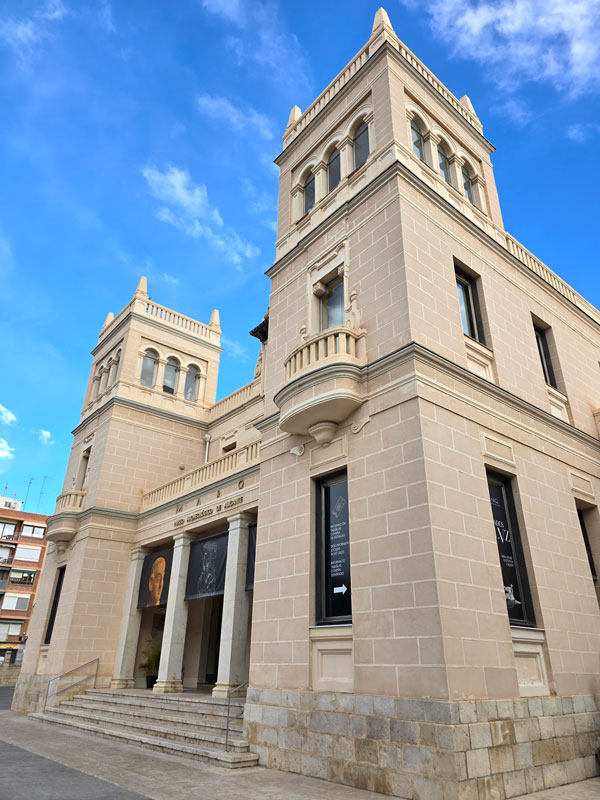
190	725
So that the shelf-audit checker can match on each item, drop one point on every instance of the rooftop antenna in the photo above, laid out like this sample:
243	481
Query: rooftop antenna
46	478
5	489
27	495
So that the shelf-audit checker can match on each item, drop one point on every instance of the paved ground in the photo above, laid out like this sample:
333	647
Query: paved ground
57	764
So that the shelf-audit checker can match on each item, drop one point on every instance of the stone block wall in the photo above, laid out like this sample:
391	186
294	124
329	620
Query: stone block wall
426	749
9	674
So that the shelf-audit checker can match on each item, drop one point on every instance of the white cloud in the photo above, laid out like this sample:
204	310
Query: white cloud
168	278
105	16
6	451
221	108
188	209
6	417
23	34
515	110
261	205
580	132
235	350
555	41
264	41
45	438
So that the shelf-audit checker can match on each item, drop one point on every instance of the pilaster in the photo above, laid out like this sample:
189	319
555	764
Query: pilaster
130	625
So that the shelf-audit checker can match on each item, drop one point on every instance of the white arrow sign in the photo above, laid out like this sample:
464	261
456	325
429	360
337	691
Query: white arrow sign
340	589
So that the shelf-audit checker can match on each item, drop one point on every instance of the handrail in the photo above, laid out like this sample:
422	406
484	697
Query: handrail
69	672
229	693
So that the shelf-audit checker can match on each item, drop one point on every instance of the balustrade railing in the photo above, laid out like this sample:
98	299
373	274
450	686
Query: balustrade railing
180	321
236	399
211	471
334	344
70	501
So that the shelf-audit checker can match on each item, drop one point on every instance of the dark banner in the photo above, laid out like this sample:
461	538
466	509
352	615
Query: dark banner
154	583
508	554
251	556
337	551
206	572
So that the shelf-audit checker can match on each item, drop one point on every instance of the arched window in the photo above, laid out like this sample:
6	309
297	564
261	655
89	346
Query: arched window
333	170
103	379
149	364
444	164
468	184
418	144
361	145
309	193
192	379
171	376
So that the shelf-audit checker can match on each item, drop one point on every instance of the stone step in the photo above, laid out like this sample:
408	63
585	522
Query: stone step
210	707
230	760
189	734
151	716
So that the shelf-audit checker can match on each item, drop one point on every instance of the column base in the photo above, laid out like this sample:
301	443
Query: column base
168	687
122	683
223	690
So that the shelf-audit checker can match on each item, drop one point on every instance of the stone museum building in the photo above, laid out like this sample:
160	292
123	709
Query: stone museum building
377	562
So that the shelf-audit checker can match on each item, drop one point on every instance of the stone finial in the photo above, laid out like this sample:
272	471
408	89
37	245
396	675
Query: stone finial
465	102
215	321
142	287
295	115
109	318
381	20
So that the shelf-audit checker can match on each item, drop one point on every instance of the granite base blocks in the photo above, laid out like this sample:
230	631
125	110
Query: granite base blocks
426	749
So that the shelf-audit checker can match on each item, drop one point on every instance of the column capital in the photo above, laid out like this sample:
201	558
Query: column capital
241	516
182	538
138	552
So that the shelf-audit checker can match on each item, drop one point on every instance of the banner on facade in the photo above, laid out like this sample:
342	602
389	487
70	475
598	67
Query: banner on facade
154	583
251	556
206	572
509	555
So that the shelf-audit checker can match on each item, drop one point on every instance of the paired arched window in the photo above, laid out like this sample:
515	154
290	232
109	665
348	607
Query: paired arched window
361	145
418	143
468	186
171	376
192	380
333	170
149	365
309	193
444	164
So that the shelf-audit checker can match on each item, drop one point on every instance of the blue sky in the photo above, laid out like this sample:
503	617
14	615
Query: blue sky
137	137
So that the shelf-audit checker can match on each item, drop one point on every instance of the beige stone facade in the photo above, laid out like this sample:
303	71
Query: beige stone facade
401	658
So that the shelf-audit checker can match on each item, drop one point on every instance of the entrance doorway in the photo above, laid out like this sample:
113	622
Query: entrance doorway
202	642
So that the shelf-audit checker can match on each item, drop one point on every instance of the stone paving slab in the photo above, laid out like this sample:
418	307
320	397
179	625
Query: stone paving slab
584	790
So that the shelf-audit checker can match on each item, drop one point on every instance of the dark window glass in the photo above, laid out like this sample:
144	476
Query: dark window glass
468	186
332	305
191	383
444	165
542	345
149	363
512	562
418	145
55	601
468	304
171	375
251	558
588	548
309	194
333	589
333	170
361	145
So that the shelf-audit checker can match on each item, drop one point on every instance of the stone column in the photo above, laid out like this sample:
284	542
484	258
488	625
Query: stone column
431	142
346	149
130	625
171	654
234	627
321	178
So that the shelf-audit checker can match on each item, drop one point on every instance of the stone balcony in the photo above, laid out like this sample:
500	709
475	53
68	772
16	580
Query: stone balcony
228	464
323	383
70	501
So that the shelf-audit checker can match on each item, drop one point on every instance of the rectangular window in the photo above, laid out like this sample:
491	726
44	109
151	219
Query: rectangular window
9	629
586	540
27	553
542	345
510	551
35	531
24	577
332	304
15	602
55	601
6	555
7	530
333	585
468	303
